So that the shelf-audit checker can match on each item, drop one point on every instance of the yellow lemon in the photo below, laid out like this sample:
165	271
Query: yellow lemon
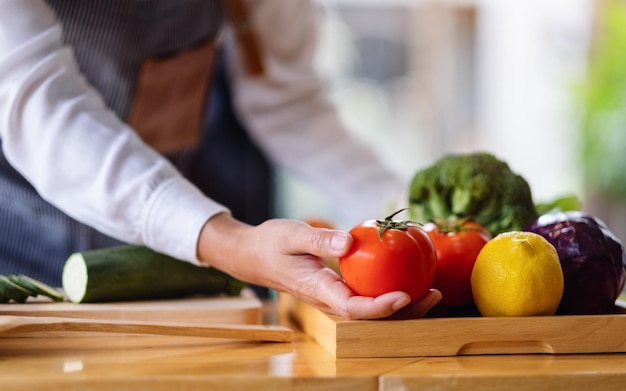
517	274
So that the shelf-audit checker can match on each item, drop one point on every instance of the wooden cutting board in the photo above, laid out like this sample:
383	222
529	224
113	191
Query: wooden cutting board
244	309
452	336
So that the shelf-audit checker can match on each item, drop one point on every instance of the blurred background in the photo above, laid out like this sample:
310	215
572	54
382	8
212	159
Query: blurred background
539	83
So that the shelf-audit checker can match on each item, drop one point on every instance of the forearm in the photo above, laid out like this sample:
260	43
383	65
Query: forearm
57	132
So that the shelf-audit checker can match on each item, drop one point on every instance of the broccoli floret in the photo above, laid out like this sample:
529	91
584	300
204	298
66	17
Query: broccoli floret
477	186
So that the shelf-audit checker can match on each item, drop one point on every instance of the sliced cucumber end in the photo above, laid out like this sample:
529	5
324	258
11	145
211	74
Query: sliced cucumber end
12	291
39	288
74	278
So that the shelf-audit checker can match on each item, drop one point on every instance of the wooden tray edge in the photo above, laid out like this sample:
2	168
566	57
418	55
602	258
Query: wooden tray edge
458	336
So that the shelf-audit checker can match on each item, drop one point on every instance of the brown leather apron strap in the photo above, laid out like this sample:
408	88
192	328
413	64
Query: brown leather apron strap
247	40
170	98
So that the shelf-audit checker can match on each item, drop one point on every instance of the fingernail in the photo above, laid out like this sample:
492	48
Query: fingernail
339	241
400	303
433	298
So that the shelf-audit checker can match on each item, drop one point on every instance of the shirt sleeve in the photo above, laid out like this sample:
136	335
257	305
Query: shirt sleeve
58	133
289	115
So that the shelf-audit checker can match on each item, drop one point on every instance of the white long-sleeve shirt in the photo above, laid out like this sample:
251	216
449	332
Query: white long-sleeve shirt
58	133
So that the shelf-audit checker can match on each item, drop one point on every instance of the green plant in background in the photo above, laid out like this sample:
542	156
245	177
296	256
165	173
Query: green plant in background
603	99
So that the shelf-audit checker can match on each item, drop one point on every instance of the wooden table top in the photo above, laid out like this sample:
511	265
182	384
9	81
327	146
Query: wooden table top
165	362
538	372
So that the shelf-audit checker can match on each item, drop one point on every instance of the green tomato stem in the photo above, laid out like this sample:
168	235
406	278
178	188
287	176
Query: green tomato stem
390	223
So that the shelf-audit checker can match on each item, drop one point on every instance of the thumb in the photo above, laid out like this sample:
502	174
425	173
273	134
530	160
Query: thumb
328	243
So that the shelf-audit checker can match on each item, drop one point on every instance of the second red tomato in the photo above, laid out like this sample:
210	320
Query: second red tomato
457	245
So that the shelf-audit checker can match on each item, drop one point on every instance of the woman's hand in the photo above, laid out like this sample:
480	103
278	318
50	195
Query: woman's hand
287	255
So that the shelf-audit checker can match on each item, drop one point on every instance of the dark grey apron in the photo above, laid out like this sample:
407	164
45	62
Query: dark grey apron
35	237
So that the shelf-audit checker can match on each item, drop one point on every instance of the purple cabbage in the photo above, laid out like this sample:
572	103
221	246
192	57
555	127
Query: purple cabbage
592	259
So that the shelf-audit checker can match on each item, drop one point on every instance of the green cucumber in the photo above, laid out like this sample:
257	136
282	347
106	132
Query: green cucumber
127	273
3	298
36	287
15	279
12	291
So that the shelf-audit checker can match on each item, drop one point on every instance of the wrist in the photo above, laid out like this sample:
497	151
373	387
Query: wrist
219	240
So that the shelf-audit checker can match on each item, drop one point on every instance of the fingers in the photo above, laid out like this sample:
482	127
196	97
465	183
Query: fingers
420	308
330	294
361	307
326	291
322	242
392	305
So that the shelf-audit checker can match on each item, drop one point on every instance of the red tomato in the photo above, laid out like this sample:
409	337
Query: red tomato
457	246
389	256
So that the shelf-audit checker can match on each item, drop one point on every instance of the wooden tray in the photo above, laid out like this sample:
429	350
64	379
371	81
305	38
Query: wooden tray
453	336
